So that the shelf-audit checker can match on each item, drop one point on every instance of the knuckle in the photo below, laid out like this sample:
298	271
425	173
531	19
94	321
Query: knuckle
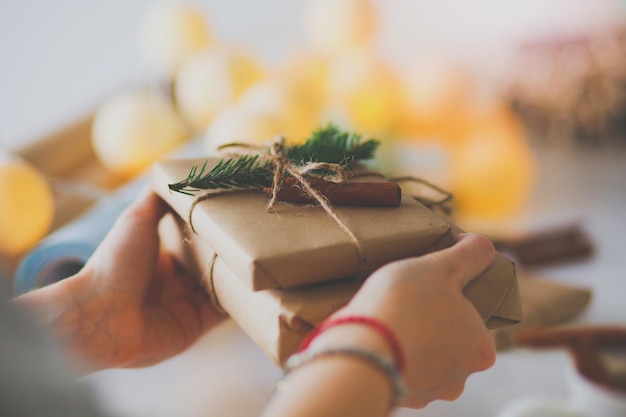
485	355
453	391
484	245
416	402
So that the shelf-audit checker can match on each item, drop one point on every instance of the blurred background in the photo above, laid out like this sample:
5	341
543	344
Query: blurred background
84	51
517	108
449	86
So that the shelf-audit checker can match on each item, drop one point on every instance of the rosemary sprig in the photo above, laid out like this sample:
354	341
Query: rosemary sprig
327	144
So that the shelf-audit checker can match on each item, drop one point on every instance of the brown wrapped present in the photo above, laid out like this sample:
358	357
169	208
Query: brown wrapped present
296	245
278	319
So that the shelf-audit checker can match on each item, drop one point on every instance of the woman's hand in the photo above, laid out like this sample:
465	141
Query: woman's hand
421	299
131	305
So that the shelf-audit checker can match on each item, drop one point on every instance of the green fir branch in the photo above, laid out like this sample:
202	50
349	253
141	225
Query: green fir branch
242	172
327	144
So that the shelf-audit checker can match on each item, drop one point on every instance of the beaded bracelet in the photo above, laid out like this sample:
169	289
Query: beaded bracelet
371	322
387	366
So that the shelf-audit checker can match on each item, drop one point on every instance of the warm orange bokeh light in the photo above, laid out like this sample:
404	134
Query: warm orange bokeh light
492	168
436	98
307	73
135	128
281	100
367	92
26	205
240	124
334	27
212	79
169	33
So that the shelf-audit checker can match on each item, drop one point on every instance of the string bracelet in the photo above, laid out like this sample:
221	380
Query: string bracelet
373	323
379	361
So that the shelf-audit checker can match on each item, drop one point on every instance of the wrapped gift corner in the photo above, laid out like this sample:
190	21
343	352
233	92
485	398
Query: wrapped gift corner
546	303
495	294
297	244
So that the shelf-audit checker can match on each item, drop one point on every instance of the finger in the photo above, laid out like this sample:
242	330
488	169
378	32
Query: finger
452	391
483	354
134	234
467	258
142	215
149	204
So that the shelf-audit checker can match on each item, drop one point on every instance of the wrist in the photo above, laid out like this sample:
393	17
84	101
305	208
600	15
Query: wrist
377	327
364	341
350	335
74	315
49	303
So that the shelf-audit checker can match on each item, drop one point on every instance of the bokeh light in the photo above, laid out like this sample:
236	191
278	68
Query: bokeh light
366	90
285	103
242	125
437	95
212	79
334	27
170	32
135	128
26	205
491	166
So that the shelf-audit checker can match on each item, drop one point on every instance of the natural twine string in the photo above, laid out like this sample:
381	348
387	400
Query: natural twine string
211	287
280	165
429	203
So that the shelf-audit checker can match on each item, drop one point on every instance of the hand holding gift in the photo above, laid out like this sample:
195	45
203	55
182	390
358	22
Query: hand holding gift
439	334
133	306
280	272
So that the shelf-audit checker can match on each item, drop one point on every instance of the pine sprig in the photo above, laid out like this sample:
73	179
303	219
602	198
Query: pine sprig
242	172
327	144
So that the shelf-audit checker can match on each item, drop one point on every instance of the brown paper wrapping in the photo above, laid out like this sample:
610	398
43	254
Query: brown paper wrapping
278	319
296	244
545	303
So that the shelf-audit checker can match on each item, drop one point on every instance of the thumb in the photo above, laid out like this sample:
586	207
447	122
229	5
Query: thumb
133	239
467	258
148	206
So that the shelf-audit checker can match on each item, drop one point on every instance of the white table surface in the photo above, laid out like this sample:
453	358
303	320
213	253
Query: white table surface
50	72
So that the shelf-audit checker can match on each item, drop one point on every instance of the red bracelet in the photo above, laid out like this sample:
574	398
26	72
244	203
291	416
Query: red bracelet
379	326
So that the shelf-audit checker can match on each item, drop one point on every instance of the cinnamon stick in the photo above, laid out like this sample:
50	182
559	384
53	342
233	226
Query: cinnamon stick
377	194
584	343
560	244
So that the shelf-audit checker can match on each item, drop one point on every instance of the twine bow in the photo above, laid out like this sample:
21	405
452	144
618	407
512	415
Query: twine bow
282	164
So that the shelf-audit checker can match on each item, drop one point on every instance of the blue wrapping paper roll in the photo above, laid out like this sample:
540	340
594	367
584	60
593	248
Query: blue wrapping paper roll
67	250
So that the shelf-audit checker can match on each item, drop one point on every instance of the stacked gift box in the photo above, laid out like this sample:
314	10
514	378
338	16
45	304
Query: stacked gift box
278	273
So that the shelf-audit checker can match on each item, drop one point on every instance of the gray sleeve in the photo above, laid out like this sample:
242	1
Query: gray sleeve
35	379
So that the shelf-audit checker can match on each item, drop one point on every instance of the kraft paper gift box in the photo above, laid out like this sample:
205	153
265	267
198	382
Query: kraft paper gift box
278	319
296	244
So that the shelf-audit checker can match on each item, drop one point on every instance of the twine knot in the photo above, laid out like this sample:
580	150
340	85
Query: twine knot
280	165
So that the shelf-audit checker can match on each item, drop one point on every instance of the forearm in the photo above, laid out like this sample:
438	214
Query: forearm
76	318
333	386
337	385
